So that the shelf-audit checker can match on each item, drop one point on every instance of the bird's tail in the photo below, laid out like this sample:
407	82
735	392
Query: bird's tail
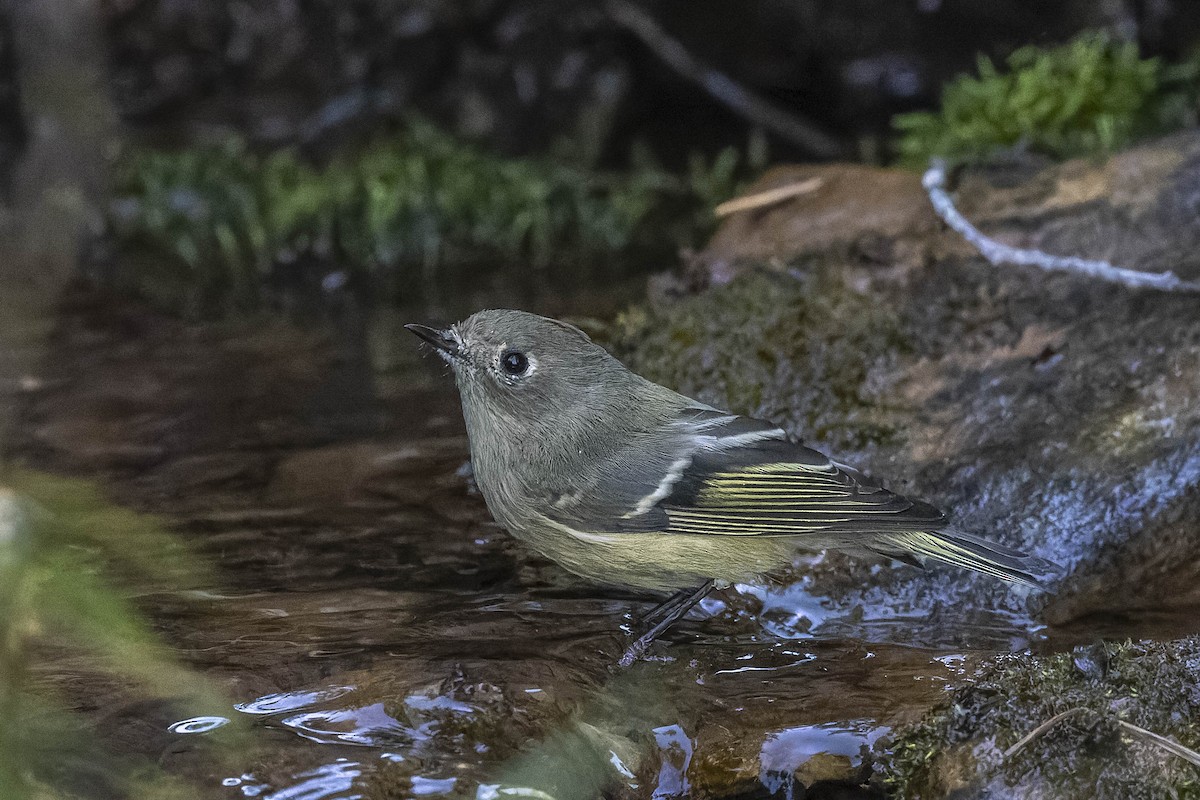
966	550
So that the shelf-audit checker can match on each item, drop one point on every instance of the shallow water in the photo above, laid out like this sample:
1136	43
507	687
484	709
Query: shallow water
380	636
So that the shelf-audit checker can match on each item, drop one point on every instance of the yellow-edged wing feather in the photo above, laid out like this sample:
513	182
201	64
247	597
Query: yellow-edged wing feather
718	474
778	488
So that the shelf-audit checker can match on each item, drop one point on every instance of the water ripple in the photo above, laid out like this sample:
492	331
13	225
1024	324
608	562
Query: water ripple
328	782
282	702
197	725
369	725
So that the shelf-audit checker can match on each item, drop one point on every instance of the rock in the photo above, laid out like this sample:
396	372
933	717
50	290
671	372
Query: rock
851	205
960	747
1137	209
1050	412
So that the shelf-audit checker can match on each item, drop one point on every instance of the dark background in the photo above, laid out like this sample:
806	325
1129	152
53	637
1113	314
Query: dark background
521	75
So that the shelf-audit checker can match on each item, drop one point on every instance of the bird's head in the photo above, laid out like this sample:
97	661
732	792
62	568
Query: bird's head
523	371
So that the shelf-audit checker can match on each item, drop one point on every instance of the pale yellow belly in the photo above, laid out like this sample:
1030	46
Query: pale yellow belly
662	561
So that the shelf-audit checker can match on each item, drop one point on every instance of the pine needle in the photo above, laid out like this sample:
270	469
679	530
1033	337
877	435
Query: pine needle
1170	745
1040	730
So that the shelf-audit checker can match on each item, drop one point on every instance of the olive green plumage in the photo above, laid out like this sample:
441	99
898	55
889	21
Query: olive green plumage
626	482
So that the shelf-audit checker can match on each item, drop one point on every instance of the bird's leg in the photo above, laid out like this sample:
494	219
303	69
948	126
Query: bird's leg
663	609
670	612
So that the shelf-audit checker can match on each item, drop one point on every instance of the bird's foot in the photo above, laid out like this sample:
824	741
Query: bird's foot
670	612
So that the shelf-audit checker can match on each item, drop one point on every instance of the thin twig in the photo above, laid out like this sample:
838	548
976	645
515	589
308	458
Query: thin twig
724	89
768	198
997	253
1170	745
1041	729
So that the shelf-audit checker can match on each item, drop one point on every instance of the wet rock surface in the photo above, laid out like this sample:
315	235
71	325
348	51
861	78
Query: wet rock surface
1051	412
978	744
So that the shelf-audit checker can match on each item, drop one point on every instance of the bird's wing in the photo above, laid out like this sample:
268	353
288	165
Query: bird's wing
728	475
717	474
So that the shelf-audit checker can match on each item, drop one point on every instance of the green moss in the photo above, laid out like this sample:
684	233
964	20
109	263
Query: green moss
1090	96
794	349
218	221
961	743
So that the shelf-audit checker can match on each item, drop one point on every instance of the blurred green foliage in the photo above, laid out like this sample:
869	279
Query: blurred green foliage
1090	96
223	218
64	550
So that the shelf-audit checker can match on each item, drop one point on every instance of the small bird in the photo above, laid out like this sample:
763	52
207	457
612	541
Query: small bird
626	482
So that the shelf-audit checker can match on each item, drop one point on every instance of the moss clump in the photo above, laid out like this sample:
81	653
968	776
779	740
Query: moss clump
219	221
1087	97
796	348
960	746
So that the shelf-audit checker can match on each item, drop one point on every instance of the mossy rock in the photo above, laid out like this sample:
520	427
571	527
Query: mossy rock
732	347
965	748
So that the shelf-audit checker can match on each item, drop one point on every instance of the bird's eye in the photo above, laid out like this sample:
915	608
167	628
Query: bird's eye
514	362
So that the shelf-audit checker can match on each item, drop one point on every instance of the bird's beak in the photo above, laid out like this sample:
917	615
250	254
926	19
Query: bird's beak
441	340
